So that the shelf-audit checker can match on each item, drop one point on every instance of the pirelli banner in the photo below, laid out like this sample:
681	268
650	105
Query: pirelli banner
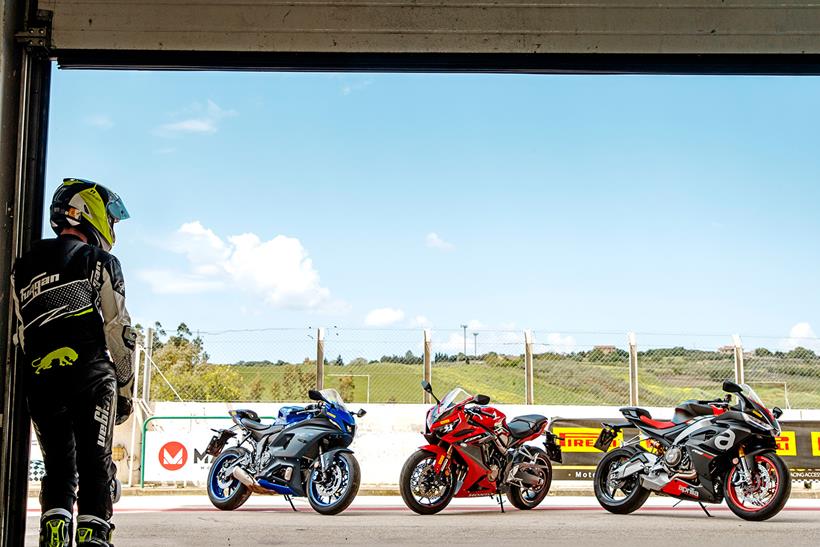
798	444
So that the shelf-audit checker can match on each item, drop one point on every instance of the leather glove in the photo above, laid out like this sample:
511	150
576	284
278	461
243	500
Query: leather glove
124	409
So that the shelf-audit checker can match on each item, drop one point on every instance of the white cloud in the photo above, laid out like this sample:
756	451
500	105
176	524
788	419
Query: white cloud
434	241
199	119
802	335
170	282
382	317
279	270
100	121
474	324
560	344
421	321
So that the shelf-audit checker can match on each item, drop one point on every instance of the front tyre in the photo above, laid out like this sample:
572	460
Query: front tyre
422	489
763	495
529	497
619	496
224	490
332	491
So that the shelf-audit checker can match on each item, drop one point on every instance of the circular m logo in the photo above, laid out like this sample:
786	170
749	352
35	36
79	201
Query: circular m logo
173	456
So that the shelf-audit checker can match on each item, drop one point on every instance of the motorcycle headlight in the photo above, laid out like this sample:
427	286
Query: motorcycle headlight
760	424
446	428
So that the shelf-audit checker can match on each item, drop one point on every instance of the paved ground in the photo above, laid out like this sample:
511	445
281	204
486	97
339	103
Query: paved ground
576	521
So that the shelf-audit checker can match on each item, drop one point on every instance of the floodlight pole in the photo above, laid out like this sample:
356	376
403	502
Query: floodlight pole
464	327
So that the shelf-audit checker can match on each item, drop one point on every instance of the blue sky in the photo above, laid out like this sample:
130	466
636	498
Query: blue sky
558	203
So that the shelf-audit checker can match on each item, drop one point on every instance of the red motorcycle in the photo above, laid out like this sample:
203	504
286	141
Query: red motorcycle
474	451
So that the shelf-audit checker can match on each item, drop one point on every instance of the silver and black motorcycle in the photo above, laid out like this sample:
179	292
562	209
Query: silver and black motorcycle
304	452
708	452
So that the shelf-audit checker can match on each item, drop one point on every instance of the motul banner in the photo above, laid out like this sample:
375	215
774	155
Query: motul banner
798	444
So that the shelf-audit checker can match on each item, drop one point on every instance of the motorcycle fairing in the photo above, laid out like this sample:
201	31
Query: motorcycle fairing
301	440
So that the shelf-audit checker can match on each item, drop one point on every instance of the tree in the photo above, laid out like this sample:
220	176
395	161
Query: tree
347	388
256	389
801	353
763	352
339	362
184	364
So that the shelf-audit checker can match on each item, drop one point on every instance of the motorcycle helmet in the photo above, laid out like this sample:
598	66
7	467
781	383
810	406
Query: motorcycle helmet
88	207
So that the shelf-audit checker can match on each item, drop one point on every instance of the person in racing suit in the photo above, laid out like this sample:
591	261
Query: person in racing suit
77	346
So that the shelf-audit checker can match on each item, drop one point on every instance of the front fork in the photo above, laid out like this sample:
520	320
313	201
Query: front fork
745	464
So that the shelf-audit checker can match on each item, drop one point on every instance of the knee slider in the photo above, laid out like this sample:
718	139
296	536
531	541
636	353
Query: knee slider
93	530
55	528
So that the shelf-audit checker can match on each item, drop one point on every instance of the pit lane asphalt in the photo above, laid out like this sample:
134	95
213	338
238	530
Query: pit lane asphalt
570	521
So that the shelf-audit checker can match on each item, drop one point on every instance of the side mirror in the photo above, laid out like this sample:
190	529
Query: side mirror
777	412
425	385
361	413
482	399
731	387
314	395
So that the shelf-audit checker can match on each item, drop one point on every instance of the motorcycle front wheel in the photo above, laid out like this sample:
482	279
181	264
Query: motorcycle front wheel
764	494
618	496
224	490
422	489
332	491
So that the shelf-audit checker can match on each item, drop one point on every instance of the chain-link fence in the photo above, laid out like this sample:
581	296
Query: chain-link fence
490	362
784	375
511	366
675	368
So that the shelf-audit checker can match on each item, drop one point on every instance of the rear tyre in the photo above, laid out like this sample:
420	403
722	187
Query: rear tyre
224	490
619	497
422	489
529	498
770	488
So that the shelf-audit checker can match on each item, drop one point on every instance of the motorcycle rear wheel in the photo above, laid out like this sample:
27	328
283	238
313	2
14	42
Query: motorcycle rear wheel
529	498
418	473
759	502
224	491
634	494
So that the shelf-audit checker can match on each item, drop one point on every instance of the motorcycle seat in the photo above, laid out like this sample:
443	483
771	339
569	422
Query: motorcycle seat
689	409
259	427
644	416
524	426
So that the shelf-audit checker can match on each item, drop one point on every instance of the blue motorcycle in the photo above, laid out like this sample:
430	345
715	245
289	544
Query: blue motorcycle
304	452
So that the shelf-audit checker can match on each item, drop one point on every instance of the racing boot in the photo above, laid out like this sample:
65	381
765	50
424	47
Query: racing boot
55	528
93	530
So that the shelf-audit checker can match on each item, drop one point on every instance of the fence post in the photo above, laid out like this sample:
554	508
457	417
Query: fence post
633	369
740	372
137	411
320	358
428	368
528	377
147	367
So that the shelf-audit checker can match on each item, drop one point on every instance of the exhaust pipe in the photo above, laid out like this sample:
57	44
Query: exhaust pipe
242	476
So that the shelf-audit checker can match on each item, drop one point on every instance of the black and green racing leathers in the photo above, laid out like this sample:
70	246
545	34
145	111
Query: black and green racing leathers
77	346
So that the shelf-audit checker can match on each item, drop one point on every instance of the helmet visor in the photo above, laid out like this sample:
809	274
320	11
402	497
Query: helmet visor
116	208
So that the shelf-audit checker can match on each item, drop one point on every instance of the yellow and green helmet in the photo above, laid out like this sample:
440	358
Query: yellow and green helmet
88	207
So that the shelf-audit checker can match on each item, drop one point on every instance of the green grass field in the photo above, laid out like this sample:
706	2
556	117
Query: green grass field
662	381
